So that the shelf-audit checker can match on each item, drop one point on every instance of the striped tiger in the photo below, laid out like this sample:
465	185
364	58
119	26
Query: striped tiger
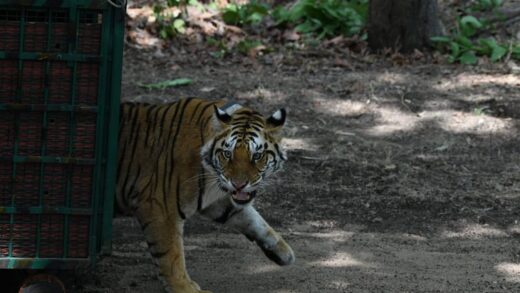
197	156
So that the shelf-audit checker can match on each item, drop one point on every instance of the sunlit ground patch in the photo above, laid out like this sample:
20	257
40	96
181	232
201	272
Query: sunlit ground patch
475	231
464	122
511	271
298	144
391	120
469	80
341	107
341	260
262	93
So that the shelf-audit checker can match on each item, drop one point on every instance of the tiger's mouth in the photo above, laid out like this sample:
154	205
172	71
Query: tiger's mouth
242	197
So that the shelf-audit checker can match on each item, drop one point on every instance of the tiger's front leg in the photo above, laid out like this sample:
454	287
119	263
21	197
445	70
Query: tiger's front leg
249	222
165	243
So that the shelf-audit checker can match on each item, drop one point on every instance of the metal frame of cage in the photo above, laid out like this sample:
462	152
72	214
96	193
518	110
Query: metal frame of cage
60	76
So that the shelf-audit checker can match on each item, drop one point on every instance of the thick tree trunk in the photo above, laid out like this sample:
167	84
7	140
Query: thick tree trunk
403	25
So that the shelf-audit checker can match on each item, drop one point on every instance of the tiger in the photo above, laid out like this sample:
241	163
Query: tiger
197	156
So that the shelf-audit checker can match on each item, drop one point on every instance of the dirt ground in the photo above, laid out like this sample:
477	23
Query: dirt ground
403	175
401	178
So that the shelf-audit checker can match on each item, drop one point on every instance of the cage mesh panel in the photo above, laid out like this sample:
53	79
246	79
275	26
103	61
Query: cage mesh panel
7	135
24	233
8	80
5	236
70	133
30	134
89	34
35	31
9	22
51	233
58	129
59	32
26	181
81	187
60	80
78	236
85	139
6	174
38	38
87	83
33	82
55	185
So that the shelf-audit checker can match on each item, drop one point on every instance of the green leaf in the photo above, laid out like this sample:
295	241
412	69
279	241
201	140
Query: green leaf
469	25
179	25
488	42
172	3
485	4
231	17
441	39
281	15
464	42
455	49
163	34
516	50
167	83
468	58
307	27
497	53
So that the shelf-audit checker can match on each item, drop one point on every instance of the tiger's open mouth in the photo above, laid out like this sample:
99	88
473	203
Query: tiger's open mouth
241	197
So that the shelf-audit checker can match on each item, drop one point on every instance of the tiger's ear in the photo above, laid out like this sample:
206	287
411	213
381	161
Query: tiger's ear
276	120
221	115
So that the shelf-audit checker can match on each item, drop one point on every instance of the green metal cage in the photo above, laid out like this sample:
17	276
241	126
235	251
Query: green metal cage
60	79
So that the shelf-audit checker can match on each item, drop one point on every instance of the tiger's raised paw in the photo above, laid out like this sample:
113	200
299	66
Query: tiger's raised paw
281	253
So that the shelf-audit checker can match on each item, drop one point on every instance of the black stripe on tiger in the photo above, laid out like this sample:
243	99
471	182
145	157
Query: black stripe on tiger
178	194
174	140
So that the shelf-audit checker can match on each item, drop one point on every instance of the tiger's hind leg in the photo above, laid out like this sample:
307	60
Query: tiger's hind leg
249	222
165	243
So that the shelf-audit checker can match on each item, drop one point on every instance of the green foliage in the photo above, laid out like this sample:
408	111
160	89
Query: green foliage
250	13
326	18
169	24
245	46
222	49
464	45
485	5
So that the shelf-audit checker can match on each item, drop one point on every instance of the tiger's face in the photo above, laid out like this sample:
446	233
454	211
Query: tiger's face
245	152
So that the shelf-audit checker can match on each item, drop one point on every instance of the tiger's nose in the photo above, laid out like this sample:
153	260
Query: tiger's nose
239	184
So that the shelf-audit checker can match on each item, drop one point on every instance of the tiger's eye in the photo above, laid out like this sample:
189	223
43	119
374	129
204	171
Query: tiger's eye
257	156
227	154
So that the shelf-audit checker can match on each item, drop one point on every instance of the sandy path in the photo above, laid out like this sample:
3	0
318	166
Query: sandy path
478	259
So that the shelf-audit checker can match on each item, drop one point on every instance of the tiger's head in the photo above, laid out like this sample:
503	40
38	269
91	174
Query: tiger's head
245	150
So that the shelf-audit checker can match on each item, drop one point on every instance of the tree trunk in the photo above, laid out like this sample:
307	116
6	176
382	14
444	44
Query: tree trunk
403	25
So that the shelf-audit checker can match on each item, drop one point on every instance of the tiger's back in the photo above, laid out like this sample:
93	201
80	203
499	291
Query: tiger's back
159	148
